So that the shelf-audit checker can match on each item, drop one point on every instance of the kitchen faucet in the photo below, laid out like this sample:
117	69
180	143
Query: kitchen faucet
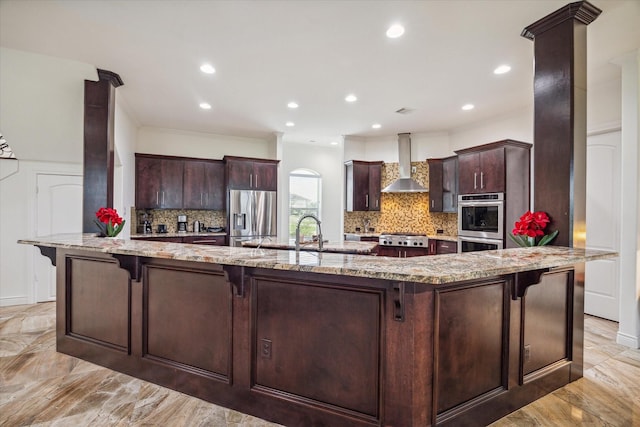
298	231
367	224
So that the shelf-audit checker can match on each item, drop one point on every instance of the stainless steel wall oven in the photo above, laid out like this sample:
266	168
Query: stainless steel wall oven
481	215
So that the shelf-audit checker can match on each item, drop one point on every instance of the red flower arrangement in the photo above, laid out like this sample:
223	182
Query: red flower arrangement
530	227
109	222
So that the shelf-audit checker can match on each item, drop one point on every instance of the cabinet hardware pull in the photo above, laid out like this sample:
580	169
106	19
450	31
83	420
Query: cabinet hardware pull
481	179
256	180
200	199
250	180
433	202
157	196
163	198
475	180
377	203
366	198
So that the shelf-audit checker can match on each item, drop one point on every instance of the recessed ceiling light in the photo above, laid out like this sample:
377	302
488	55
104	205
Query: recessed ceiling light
292	105
205	106
207	69
334	143
502	69
395	31
290	124
376	125
468	107
351	98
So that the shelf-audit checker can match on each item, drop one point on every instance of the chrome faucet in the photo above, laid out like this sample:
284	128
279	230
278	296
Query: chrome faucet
367	224
298	231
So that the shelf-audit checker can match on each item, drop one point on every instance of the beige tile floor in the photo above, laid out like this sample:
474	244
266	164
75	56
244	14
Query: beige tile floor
39	387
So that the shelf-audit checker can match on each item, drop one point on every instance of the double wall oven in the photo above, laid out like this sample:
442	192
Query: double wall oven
480	222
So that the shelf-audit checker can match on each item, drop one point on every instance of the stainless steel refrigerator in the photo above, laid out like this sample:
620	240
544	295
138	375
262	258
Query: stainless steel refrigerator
252	215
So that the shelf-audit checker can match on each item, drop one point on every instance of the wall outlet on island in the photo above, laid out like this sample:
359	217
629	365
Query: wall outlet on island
439	231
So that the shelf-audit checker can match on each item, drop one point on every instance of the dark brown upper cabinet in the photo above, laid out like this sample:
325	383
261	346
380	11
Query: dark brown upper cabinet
251	174
488	168
203	185
443	184
363	182
159	182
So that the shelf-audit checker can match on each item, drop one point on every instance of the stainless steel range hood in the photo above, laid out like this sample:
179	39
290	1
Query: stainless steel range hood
404	184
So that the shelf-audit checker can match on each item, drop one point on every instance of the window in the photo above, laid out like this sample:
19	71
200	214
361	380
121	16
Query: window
304	198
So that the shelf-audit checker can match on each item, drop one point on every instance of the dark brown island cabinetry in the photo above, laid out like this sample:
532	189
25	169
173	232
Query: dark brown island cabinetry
304	349
443	184
158	182
488	168
363	185
244	173
204	185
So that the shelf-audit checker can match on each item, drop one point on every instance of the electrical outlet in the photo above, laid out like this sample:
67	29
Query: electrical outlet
414	169
265	348
527	353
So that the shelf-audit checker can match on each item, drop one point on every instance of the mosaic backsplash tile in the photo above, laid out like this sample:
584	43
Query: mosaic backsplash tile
403	212
169	217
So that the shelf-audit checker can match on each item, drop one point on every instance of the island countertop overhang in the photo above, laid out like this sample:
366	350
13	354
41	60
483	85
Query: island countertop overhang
433	270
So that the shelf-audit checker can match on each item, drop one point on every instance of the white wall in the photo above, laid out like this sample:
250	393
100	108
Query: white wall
126	133
41	116
328	162
173	142
385	148
517	126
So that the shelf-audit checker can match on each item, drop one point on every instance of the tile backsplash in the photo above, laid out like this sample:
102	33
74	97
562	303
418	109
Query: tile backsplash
169	217
404	212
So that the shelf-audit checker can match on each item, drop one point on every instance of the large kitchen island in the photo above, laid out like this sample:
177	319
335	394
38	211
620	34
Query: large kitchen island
310	339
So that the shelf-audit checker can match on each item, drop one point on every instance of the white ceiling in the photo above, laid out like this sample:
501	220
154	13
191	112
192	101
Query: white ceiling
268	53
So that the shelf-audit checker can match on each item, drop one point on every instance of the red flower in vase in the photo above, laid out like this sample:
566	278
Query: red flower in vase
529	227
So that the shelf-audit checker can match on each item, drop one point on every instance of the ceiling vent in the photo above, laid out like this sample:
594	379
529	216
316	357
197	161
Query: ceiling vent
404	111
404	184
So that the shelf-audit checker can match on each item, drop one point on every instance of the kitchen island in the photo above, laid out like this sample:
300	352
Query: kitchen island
325	338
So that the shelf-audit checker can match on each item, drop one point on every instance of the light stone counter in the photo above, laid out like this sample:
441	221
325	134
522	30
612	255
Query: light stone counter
443	237
427	269
177	234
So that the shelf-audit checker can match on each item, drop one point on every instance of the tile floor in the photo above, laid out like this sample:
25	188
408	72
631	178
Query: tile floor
39	387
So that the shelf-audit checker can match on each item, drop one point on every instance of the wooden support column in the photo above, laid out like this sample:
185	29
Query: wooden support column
99	108
560	118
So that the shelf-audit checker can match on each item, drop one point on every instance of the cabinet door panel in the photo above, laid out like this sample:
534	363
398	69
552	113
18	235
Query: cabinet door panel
213	186
172	179
492	176
375	181
193	189
265	176
450	185
360	187
468	171
239	174
148	183
435	186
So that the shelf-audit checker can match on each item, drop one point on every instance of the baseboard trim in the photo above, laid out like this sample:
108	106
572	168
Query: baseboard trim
7	301
627	340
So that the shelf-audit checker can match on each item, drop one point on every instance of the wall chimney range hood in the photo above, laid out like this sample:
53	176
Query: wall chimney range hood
404	184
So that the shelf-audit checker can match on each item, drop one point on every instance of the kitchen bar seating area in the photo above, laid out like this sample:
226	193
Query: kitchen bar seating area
271	252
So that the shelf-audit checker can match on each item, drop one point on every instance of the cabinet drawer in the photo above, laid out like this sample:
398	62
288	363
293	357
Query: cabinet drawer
446	247
205	240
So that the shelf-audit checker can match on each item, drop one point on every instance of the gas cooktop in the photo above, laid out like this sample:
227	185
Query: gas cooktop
403	239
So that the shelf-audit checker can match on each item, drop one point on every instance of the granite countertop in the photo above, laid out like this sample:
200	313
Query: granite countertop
426	269
442	237
347	247
361	234
177	234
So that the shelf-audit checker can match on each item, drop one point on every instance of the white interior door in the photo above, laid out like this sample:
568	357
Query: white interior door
602	277
58	210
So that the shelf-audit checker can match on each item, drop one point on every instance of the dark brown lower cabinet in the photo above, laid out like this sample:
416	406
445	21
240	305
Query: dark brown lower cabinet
302	349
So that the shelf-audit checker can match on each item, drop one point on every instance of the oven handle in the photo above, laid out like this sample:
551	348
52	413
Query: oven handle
481	203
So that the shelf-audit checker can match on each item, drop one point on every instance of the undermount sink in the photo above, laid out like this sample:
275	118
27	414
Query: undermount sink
351	237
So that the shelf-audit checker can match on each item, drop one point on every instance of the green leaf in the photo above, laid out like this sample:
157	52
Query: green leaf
548	238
